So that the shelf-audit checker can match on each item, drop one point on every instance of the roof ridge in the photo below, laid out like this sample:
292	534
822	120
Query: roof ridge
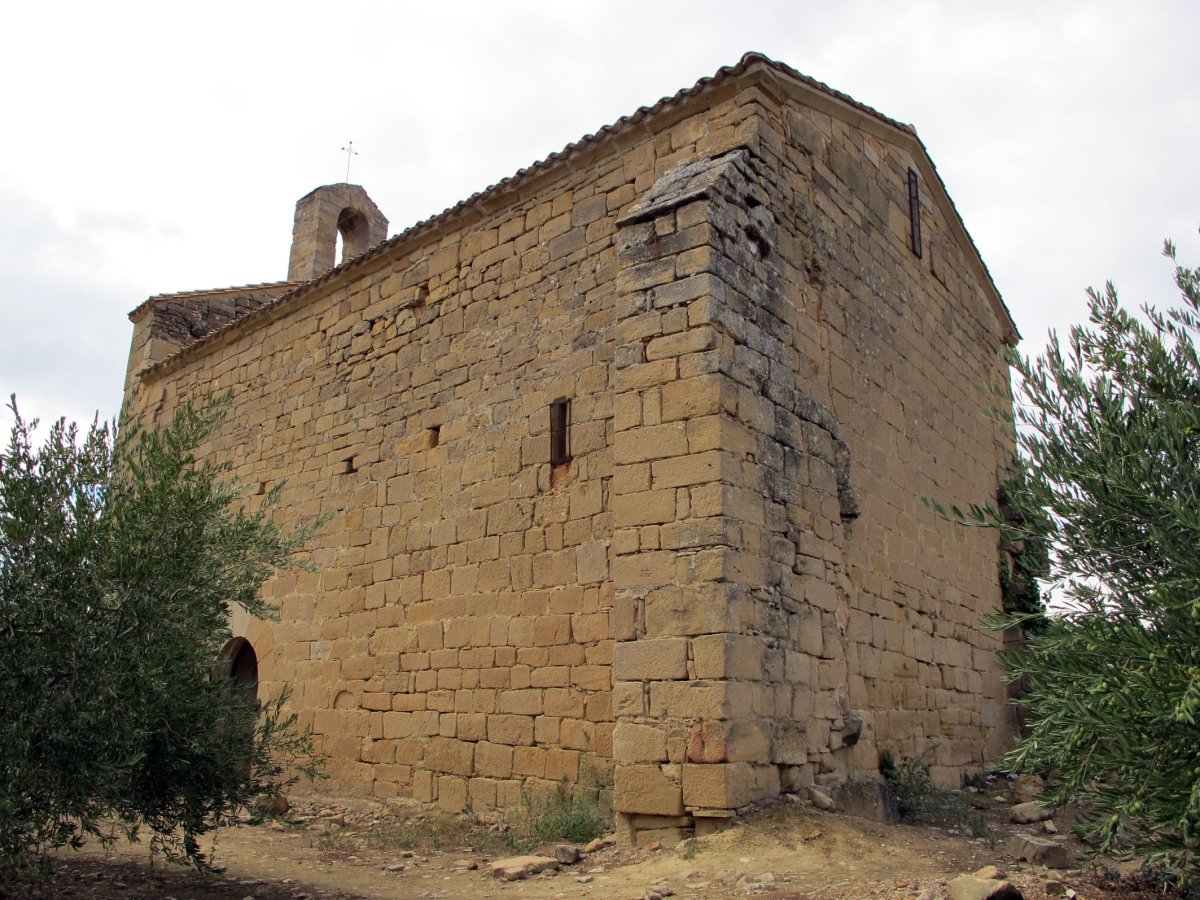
724	73
748	61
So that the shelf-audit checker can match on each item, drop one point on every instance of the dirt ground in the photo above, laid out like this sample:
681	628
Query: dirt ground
791	850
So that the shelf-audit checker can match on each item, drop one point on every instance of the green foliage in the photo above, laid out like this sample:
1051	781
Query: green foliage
396	838
1024	553
921	802
1109	430
564	813
120	556
336	842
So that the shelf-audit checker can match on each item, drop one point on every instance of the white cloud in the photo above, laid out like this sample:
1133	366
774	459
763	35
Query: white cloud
160	147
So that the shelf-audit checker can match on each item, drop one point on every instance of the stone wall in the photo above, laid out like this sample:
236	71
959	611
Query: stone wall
809	611
455	641
902	352
731	588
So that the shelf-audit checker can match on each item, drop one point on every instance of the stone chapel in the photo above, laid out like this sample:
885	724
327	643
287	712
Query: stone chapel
625	458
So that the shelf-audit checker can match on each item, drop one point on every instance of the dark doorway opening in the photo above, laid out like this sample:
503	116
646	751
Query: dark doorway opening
243	669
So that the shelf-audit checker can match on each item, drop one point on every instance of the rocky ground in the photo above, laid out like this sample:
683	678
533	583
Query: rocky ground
793	849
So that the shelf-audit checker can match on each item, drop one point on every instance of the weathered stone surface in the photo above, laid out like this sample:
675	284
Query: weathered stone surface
1041	851
599	843
973	887
646	789
651	660
867	799
992	872
639	743
514	868
1028	813
658	838
821	800
446	755
1027	788
566	855
685	183
728	656
717	785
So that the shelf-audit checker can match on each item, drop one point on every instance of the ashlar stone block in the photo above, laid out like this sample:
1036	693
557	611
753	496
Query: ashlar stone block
728	656
639	743
647	790
726	785
451	756
663	659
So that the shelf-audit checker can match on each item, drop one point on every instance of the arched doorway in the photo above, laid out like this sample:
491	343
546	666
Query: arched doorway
243	669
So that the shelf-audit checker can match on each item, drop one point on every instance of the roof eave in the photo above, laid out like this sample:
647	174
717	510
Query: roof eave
208	292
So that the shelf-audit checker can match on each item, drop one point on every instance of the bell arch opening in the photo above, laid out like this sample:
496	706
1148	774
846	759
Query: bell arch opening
353	235
334	224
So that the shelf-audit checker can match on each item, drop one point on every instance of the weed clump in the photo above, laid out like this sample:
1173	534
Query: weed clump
565	813
436	832
921	802
337	842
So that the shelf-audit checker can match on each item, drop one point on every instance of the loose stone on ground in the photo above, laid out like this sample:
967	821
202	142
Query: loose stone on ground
514	868
972	887
1028	813
1043	852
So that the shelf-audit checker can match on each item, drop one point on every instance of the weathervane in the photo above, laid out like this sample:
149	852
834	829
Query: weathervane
349	151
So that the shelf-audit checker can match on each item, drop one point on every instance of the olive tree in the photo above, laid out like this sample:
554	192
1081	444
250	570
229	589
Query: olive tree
120	557
1109	437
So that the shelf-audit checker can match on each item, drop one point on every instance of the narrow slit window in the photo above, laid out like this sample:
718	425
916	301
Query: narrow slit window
434	436
914	213
560	432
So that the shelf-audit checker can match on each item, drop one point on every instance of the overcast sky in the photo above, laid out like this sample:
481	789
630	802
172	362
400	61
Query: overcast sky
162	147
